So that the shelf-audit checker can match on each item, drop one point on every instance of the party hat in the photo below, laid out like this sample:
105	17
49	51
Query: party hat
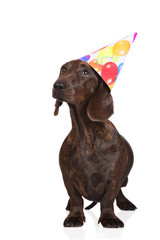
108	61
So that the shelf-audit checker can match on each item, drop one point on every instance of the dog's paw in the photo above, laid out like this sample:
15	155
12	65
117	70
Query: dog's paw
74	221
127	206
111	222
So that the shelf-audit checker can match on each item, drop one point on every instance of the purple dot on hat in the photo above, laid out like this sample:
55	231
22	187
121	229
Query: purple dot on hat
85	58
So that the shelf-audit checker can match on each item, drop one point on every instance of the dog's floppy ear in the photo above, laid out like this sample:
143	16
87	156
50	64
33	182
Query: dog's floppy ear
100	107
57	105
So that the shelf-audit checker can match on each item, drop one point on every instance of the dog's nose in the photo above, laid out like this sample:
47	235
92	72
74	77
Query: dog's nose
59	86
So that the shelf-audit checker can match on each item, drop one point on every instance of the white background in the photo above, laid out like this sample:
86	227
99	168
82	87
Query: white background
36	38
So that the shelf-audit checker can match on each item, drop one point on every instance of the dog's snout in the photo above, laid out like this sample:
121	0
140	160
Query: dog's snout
59	86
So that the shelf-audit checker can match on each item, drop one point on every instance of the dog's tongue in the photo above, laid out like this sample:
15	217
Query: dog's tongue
57	105
108	61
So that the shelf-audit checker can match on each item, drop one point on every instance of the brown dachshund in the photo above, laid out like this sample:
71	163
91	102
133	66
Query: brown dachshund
95	159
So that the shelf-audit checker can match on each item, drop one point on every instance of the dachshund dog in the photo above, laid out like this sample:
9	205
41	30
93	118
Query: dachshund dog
95	159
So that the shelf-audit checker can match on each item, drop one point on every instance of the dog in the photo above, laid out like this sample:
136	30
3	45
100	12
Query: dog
95	159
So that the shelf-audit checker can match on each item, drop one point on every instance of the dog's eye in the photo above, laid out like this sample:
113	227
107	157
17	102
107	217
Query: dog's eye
63	69
85	72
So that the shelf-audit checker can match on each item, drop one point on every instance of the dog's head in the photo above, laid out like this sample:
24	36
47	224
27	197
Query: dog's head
78	83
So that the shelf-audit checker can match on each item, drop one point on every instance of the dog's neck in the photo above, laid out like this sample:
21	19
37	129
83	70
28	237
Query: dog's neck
81	124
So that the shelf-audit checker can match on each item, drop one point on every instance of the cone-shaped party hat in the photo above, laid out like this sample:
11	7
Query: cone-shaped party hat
108	61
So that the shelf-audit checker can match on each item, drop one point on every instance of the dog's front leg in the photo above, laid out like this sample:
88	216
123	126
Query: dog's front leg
76	216
108	218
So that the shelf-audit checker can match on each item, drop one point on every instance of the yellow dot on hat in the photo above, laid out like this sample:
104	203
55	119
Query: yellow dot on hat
106	55
121	48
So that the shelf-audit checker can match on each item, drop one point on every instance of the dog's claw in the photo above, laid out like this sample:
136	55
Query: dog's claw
111	222
74	221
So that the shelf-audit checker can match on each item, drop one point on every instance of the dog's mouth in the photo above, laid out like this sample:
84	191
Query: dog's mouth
57	95
63	96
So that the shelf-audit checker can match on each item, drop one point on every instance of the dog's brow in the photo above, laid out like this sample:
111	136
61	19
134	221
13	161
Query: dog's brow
83	65
66	65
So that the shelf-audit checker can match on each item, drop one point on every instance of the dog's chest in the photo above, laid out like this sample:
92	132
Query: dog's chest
87	170
88	166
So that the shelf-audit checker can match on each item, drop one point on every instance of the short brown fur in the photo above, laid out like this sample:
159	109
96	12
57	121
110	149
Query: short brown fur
95	159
